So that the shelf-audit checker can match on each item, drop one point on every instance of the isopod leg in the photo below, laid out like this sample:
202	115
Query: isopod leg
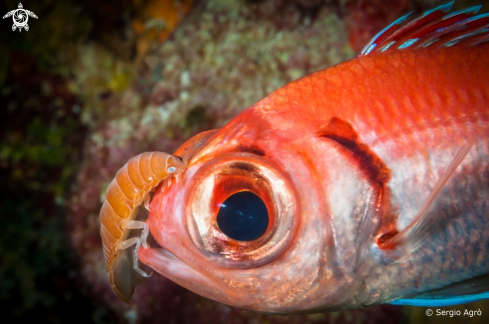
128	243
139	225
146	203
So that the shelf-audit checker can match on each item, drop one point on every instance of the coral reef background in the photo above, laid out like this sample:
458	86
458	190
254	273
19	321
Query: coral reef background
94	83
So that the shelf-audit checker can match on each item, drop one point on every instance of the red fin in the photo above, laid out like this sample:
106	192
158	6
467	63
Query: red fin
434	28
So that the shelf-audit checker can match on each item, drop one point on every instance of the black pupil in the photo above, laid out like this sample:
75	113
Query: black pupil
243	216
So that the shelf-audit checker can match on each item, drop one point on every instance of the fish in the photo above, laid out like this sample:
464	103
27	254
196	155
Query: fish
361	184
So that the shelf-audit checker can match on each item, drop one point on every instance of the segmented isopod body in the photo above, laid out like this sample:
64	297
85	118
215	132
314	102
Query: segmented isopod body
131	187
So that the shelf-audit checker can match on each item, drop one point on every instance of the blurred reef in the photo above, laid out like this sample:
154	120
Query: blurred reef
94	83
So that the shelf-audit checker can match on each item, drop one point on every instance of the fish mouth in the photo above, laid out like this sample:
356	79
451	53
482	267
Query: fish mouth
161	260
171	267
159	257
131	187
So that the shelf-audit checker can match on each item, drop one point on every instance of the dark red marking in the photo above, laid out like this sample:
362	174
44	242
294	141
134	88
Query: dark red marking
343	133
384	238
339	128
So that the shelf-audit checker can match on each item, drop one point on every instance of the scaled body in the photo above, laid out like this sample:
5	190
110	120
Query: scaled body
344	160
400	107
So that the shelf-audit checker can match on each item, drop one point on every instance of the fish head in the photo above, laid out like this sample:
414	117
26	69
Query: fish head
250	221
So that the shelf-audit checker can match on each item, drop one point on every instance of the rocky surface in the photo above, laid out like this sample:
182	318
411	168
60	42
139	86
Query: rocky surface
94	83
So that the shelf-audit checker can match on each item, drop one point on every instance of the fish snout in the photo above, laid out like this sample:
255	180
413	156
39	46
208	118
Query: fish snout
230	214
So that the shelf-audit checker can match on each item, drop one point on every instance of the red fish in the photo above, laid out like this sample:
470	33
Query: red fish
361	184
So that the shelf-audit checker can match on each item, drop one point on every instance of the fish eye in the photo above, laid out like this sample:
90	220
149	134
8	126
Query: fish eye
243	216
241	210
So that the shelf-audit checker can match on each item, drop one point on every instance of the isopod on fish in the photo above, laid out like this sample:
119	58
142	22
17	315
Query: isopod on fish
361	184
127	191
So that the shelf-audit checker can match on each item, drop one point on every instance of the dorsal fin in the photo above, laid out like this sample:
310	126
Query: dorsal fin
434	28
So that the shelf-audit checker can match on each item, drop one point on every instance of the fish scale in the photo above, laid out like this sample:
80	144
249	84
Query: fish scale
410	135
456	244
374	174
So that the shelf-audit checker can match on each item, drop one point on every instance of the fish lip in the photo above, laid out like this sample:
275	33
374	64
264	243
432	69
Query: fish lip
169	257
173	268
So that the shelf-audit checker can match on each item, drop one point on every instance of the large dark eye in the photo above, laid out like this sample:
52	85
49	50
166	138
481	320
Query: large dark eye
243	216
241	208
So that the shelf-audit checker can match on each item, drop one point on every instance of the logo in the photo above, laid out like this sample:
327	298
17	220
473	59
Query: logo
20	17
429	312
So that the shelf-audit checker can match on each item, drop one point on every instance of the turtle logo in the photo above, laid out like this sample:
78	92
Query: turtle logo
20	16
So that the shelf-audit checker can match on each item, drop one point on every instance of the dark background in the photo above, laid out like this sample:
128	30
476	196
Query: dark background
52	110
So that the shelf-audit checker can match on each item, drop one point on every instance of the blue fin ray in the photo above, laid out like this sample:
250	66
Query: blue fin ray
434	28
466	291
